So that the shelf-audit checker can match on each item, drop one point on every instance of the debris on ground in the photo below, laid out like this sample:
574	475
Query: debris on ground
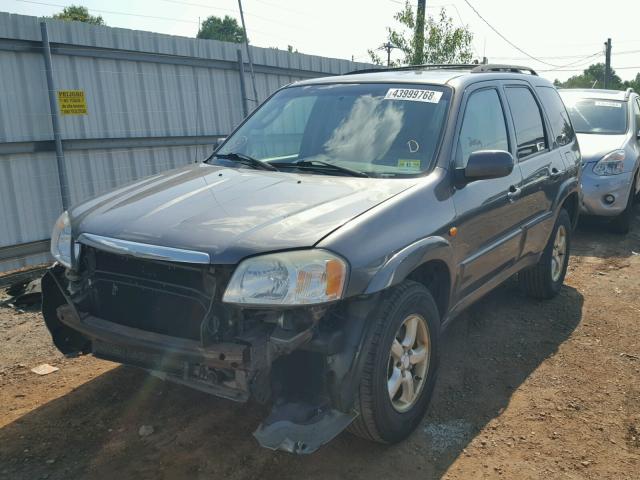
44	369
23	294
146	430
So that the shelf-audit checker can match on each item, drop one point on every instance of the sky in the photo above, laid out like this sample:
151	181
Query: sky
560	34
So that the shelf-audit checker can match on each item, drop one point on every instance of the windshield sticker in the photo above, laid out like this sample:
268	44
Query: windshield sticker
609	104
409	165
413	95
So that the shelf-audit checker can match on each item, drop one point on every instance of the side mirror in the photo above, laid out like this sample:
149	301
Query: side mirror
485	164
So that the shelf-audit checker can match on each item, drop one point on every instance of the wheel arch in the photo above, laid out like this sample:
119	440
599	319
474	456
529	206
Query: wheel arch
568	197
572	205
428	261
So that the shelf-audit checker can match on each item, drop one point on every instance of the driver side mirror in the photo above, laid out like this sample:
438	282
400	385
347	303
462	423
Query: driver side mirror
484	165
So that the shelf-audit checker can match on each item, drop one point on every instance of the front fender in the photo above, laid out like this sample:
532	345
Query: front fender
402	263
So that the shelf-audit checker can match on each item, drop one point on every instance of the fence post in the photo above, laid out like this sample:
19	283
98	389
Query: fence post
243	86
55	120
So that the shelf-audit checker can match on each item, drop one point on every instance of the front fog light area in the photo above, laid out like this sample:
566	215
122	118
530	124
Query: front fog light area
302	277
609	199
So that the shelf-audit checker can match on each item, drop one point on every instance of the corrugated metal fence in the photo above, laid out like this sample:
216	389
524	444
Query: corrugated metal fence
153	102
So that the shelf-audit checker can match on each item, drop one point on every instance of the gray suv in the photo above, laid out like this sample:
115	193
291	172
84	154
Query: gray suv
314	259
607	123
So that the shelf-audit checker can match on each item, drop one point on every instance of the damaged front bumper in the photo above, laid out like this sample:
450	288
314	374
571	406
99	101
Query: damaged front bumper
309	375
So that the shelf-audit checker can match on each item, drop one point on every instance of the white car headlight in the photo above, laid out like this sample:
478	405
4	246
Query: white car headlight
61	240
302	277
611	164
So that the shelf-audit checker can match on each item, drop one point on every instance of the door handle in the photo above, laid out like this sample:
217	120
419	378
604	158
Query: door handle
555	173
514	193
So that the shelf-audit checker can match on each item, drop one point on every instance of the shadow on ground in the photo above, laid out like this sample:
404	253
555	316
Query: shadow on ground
93	430
595	239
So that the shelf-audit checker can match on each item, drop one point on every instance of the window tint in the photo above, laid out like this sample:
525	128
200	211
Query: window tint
558	115
527	121
483	126
636	111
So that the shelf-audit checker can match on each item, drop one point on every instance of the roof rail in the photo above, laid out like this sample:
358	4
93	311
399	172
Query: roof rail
628	93
493	67
427	66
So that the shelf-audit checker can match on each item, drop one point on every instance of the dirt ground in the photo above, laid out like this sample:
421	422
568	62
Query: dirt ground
527	390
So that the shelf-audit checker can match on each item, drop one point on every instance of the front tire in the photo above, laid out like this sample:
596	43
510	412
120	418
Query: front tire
400	365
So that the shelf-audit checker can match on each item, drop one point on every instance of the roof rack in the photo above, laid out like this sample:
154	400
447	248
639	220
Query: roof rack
494	67
427	66
473	68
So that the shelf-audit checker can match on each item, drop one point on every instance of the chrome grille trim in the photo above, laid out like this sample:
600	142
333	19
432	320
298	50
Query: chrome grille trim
143	250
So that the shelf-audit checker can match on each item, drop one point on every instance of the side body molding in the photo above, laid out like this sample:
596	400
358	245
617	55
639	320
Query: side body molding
402	263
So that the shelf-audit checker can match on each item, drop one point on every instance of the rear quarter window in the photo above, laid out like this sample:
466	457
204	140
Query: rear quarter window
558	115
527	120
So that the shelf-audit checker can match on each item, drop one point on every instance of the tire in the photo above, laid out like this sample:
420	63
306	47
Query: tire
622	223
381	418
543	281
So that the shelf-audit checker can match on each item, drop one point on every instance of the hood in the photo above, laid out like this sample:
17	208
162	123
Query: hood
232	213
593	147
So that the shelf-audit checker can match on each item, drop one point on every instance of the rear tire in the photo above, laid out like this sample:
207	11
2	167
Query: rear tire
545	279
385	418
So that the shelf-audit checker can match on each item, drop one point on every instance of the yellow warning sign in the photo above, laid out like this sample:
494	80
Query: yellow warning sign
72	102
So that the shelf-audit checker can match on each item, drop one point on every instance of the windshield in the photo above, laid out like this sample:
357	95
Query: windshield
377	129
592	115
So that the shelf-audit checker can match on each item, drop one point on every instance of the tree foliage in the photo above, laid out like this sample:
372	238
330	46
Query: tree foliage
593	77
224	29
443	43
78	13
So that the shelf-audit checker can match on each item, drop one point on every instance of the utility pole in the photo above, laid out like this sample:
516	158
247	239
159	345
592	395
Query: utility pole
418	37
249	56
388	47
607	65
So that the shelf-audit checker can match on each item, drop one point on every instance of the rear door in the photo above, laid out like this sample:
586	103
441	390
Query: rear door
487	214
541	163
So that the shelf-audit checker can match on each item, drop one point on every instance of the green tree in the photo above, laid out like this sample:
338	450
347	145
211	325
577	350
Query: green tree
78	13
443	43
593	77
224	29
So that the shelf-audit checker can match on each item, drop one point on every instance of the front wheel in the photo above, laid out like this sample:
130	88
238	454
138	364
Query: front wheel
400	365
545	279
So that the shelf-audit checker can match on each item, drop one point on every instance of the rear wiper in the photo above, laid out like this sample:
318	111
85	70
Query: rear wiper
246	160
322	166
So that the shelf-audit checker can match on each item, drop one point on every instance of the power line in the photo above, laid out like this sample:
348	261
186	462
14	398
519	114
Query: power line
506	39
113	12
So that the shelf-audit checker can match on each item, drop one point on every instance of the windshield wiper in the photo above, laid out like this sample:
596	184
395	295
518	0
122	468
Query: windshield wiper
246	160
322	166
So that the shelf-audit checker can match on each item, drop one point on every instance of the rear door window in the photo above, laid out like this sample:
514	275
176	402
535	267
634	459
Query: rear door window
558	116
527	121
483	126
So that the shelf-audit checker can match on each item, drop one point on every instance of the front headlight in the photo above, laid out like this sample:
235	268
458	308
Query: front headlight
611	164
61	241
303	277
